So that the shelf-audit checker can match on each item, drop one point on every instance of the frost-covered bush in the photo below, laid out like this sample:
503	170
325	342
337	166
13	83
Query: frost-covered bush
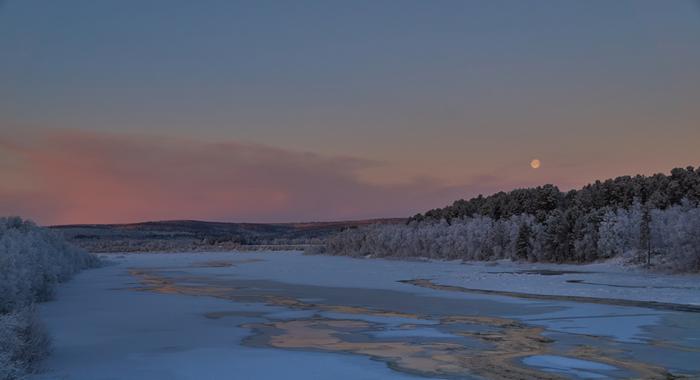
24	342
32	261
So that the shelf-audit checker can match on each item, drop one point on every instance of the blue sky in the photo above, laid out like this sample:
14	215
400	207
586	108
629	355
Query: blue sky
449	92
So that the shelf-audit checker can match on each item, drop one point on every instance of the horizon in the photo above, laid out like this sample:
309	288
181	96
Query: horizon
219	222
330	221
249	112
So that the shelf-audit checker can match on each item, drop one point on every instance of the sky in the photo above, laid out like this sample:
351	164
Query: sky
280	111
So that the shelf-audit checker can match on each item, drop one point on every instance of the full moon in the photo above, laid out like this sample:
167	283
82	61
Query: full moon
535	164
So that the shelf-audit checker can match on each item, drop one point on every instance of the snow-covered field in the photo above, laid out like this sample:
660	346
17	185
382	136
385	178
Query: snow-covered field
208	322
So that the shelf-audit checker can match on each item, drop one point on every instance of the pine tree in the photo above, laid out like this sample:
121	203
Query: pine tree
523	245
645	235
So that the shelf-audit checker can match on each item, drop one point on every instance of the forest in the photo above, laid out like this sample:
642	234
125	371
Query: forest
33	261
649	220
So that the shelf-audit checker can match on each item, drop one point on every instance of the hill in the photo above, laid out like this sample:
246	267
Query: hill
182	235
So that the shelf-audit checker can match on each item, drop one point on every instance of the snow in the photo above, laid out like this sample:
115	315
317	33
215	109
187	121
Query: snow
102	330
600	280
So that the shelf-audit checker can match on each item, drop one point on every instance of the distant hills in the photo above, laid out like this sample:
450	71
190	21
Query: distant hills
181	235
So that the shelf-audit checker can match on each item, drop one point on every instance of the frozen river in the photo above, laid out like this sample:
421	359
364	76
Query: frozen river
289	316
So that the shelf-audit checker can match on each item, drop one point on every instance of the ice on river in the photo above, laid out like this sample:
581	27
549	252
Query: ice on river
104	329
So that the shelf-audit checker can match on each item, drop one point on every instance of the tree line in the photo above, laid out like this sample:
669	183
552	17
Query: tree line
654	220
658	191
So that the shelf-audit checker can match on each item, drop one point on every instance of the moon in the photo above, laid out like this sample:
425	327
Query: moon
535	164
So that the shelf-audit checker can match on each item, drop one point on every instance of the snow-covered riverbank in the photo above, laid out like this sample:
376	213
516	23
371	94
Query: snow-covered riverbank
603	280
600	280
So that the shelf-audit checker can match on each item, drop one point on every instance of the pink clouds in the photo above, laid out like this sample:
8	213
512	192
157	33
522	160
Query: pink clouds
85	177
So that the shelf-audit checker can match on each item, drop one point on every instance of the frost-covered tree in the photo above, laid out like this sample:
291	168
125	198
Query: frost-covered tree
587	235
523	243
620	232
675	236
645	236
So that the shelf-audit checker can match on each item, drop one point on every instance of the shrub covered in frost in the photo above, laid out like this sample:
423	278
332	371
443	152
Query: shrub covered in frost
24	342
32	261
